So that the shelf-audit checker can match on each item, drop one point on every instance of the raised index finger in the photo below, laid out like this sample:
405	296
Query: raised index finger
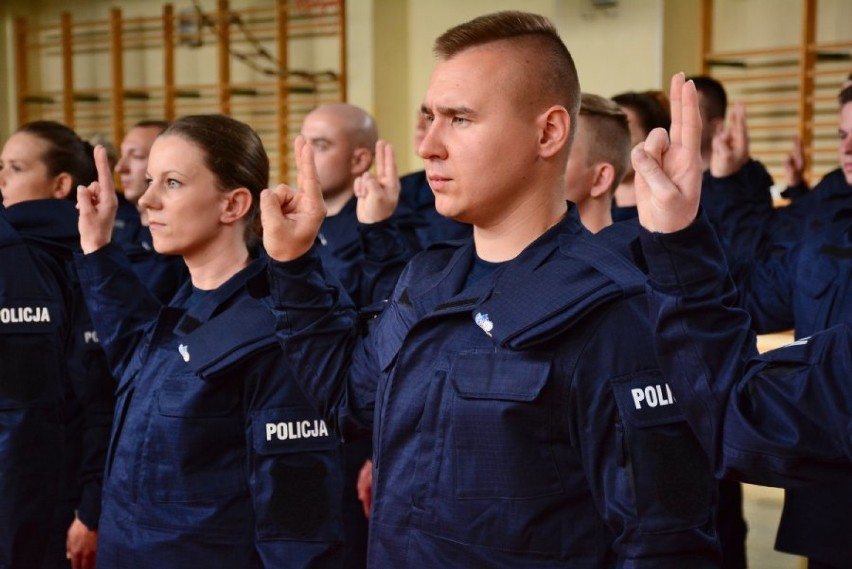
675	95
105	179
307	179
690	118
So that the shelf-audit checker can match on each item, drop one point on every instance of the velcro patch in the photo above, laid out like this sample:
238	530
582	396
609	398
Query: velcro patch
289	430
646	400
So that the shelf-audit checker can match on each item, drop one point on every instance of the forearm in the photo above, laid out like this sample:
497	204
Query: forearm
702	340
317	327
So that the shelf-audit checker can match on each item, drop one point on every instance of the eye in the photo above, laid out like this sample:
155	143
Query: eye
428	118
172	184
460	121
148	182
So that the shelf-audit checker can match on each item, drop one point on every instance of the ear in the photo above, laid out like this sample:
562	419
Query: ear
604	178
362	159
555	129
62	185
236	205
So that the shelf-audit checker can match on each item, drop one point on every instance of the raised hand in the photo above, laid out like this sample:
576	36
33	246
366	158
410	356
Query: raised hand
669	169
378	195
291	218
731	146
97	204
794	164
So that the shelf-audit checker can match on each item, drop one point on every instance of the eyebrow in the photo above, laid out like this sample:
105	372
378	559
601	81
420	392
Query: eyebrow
164	174
448	111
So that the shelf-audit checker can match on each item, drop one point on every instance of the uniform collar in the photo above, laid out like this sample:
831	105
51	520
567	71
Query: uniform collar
443	291
49	221
208	306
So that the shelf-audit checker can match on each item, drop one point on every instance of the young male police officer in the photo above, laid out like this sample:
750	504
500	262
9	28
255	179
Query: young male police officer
505	431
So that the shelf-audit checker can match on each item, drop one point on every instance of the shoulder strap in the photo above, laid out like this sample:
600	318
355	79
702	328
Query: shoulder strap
588	272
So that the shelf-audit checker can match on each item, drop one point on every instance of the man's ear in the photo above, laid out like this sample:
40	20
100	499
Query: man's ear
62	185
236	205
555	128
604	177
362	159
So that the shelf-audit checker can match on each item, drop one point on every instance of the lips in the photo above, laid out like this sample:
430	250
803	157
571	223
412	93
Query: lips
438	182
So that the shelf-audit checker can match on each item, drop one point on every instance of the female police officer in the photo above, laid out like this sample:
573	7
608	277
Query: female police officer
216	458
56	397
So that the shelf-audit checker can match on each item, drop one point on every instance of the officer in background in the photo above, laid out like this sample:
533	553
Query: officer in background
58	405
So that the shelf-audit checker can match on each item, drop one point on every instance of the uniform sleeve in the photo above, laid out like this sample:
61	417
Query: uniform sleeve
650	478
776	420
739	208
296	474
387	247
120	305
93	393
318	329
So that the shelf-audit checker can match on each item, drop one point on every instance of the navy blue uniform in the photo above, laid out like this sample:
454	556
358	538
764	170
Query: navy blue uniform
366	258
216	458
623	213
33	328
831	194
785	423
505	429
740	209
84	415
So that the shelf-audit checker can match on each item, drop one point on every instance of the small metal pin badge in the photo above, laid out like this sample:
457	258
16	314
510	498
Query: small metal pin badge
184	352
483	322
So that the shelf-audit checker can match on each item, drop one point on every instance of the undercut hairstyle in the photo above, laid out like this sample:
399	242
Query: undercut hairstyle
66	153
610	136
234	153
715	96
551	72
648	108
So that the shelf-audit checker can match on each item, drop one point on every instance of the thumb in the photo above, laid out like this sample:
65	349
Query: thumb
85	196
649	170
270	210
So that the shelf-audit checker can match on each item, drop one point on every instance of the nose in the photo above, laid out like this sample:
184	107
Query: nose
432	144
121	165
149	198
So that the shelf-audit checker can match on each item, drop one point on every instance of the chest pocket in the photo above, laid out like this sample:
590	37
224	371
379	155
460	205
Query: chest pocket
672	481
197	440
502	426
